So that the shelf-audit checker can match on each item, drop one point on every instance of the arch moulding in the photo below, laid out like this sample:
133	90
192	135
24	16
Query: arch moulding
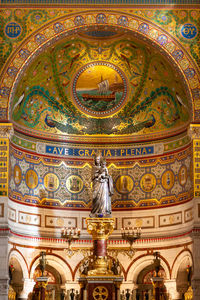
56	262
59	28
141	263
184	254
20	258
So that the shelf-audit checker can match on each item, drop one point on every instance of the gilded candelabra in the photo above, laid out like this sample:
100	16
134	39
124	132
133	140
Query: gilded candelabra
130	234
39	290
43	262
70	235
157	281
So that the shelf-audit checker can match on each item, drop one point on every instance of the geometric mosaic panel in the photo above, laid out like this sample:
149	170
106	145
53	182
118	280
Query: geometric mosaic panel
4	152
159	181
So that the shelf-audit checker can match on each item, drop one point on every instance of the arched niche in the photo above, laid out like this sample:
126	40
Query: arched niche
182	271
144	280
55	285
16	256
16	275
145	262
184	258
57	263
53	31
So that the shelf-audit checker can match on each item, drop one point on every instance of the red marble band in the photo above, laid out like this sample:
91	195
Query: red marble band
100	247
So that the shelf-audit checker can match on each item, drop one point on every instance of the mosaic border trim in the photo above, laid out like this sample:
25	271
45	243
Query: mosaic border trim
32	145
124	2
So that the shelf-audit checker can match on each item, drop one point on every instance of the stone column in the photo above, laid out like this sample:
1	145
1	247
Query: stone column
150	294
64	292
27	288
68	296
5	129
133	296
171	289
196	266
4	288
4	276
194	132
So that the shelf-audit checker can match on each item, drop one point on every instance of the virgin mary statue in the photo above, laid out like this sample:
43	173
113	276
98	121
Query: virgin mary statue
102	188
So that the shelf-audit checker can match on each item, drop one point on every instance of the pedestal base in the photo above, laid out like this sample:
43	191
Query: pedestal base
39	291
158	288
100	287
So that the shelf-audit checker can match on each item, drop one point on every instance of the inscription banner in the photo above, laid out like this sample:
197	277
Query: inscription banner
112	152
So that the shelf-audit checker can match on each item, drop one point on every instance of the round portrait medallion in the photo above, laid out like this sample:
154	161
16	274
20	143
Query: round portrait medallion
51	182
168	180
99	89
31	179
124	184
17	174
182	175
148	182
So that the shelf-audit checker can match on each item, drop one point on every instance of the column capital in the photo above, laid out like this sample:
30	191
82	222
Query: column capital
194	131
170	285
195	287
27	288
6	130
196	232
128	285
4	285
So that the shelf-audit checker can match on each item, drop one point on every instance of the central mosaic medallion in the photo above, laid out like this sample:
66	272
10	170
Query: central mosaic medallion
99	89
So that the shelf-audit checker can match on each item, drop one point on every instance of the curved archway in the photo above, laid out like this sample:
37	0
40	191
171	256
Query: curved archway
18	271
143	261
57	263
182	270
184	255
14	253
58	28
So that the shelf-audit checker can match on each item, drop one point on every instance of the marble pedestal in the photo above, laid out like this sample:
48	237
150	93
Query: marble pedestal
100	287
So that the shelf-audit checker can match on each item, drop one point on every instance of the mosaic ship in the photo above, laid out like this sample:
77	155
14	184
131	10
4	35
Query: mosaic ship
103	89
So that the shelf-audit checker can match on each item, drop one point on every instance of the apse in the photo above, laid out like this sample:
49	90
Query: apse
101	89
100	83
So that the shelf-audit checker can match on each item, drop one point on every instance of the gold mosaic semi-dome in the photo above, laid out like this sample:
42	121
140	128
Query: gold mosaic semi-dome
105	90
100	84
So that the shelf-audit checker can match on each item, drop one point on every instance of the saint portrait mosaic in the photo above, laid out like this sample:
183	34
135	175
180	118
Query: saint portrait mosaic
17	174
51	182
182	175
124	184
31	179
168	179
148	182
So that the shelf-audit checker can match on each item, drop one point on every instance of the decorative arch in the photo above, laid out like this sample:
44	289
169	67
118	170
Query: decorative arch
56	262
186	253
60	27
22	261
142	262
